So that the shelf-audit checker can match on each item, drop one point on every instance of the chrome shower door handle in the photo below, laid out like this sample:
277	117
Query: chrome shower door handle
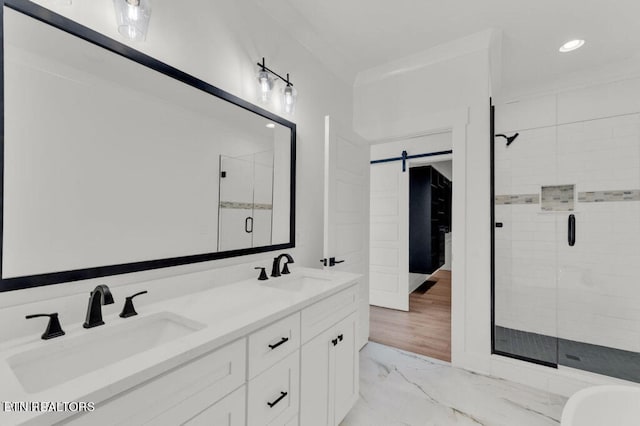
571	234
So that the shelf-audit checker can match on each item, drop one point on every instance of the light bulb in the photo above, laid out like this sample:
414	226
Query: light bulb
266	83
133	18
289	99
133	11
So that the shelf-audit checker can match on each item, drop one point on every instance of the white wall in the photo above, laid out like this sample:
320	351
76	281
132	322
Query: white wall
439	90
220	42
447	251
445	168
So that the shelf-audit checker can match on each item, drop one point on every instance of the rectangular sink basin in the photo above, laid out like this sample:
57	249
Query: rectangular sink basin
299	283
60	361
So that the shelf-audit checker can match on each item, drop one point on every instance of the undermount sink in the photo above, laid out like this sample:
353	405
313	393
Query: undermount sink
298	283
57	362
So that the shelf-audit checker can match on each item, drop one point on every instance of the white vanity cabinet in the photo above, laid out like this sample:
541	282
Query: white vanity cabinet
176	396
274	396
228	412
329	360
329	374
274	373
297	370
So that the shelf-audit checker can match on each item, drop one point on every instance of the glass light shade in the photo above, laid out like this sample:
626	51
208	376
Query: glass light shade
133	17
289	95
266	84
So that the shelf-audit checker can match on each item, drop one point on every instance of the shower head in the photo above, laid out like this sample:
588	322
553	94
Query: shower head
508	138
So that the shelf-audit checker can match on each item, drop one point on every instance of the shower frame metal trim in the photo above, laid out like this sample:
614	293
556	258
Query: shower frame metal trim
492	176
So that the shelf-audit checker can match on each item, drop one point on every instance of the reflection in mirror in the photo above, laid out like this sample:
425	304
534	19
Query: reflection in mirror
114	165
254	195
246	201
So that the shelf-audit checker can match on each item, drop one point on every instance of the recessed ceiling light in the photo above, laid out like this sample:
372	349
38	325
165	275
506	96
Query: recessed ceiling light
271	125
571	45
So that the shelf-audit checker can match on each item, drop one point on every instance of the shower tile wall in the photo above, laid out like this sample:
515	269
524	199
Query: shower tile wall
588	292
598	291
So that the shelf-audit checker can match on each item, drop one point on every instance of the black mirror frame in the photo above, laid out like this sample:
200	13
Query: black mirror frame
57	21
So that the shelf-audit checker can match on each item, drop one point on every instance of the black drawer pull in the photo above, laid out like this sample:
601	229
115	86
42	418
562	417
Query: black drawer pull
280	398
334	341
283	340
340	337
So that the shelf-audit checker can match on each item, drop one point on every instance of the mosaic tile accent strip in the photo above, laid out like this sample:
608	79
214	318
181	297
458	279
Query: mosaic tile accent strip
613	195
518	199
247	206
558	198
263	206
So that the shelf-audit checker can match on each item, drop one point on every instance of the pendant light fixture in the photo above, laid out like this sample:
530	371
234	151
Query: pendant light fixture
266	82
133	17
289	94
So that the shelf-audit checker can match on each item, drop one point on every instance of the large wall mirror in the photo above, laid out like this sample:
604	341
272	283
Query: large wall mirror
115	162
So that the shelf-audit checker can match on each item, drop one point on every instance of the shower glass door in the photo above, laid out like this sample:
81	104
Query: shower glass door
567	246
599	275
526	302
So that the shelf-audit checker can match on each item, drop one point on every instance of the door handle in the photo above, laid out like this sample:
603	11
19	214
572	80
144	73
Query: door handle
571	236
248	220
324	262
334	341
333	261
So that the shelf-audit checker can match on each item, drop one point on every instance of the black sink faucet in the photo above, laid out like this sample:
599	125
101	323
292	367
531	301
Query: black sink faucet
275	270
101	295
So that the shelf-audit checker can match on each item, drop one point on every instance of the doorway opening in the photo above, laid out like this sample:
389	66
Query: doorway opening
411	272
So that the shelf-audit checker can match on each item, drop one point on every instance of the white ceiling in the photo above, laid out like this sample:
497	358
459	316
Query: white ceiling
349	36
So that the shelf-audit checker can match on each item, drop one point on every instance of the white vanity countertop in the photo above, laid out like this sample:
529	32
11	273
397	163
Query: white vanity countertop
228	312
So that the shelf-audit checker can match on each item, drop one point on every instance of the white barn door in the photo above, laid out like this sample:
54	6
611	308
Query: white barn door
389	264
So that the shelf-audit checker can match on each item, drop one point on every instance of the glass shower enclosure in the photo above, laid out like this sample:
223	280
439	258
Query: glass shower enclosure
566	277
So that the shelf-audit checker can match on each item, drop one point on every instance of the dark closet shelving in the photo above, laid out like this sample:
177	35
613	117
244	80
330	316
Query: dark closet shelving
429	218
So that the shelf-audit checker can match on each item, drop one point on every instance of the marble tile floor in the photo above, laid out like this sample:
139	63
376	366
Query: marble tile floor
399	388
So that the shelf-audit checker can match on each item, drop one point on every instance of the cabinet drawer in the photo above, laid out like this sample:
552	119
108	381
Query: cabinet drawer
322	315
273	396
174	396
293	421
228	412
273	343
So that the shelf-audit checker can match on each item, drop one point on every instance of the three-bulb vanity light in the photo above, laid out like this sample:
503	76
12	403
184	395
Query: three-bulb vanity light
266	80
133	17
